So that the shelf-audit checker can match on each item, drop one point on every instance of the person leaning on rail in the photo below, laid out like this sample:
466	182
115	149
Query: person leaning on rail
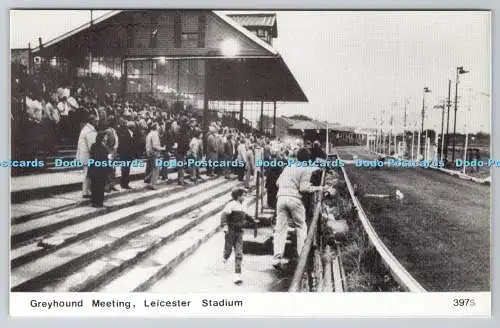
292	183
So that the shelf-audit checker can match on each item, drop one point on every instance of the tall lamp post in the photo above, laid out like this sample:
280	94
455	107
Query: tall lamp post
448	105
442	108
426	90
382	135
376	135
393	134
460	70
404	129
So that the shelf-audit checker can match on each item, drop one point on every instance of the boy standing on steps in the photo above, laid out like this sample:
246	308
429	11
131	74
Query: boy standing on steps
233	220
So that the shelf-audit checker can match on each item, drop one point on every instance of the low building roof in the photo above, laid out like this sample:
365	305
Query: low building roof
318	125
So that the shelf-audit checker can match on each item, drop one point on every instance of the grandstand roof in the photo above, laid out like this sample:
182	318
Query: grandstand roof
265	72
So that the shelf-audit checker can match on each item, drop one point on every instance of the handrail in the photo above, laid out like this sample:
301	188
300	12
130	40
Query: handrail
399	273
257	195
301	266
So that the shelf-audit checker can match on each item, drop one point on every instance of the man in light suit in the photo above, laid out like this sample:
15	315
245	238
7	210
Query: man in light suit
85	141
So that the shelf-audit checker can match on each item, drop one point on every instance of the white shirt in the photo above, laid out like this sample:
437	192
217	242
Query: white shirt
63	108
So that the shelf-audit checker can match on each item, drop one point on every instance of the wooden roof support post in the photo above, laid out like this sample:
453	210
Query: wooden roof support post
262	116
241	88
241	113
205	104
124	78
30	59
274	120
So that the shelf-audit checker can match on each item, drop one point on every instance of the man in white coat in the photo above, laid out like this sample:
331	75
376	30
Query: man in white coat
85	141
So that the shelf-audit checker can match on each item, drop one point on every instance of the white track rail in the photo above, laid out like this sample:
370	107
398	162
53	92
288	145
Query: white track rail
399	273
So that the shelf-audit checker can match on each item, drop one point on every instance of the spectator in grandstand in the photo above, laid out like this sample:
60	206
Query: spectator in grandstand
64	109
249	165
125	150
51	118
196	153
98	175
112	144
153	152
293	181
220	141
211	149
228	154
74	117
165	134
241	154
267	149
180	147
86	139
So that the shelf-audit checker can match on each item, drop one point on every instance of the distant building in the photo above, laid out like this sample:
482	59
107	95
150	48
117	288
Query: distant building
338	135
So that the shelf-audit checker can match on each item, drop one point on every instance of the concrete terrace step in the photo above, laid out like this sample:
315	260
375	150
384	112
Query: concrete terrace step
103	271
35	275
35	186
32	209
55	203
164	259
71	228
24	231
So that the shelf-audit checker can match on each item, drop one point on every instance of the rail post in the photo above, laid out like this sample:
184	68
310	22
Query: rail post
327	274
318	270
304	259
257	190
262	191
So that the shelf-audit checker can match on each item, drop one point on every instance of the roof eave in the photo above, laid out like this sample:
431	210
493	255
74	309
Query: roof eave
77	30
303	95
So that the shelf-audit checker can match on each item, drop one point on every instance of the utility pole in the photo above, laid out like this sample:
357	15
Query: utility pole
460	70
390	134
404	129
382	132
423	114
448	105
442	131
426	90
412	143
455	120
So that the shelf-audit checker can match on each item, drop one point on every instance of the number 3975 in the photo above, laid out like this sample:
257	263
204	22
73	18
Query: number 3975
464	302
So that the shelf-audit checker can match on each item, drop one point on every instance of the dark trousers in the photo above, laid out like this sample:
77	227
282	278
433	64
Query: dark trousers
110	180
241	173
125	178
271	197
147	174
97	190
234	239
180	157
211	170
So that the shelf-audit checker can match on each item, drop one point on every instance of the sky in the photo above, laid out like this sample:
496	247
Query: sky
357	68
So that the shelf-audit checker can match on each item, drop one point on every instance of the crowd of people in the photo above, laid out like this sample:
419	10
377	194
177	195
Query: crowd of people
114	129
165	137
